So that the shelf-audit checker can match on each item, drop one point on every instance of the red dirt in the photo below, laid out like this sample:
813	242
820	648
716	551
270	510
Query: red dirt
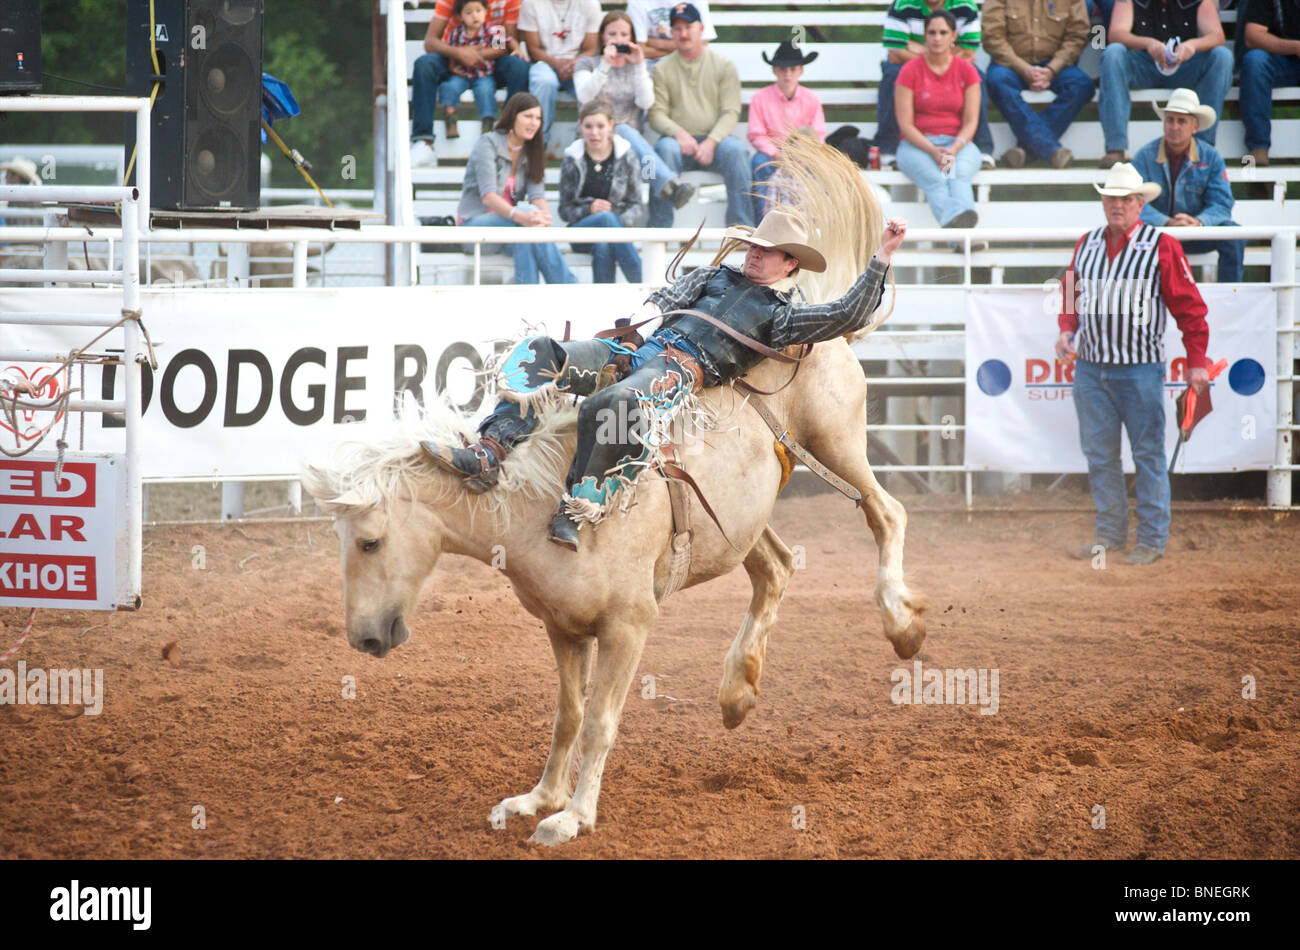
1118	687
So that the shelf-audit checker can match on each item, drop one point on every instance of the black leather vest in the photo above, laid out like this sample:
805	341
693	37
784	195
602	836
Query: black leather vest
748	308
1165	19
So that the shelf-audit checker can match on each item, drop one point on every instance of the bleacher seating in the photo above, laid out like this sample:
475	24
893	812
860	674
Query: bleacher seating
845	76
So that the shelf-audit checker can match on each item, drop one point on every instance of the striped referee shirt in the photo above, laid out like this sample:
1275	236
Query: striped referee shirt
797	322
1117	294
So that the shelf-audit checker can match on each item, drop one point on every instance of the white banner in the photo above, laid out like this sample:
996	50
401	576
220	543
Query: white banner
251	382
1020	414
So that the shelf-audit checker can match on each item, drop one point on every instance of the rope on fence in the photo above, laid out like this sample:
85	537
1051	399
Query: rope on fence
10	405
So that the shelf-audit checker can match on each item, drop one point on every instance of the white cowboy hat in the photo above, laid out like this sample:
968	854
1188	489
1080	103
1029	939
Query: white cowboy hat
1187	102
23	167
1123	179
784	232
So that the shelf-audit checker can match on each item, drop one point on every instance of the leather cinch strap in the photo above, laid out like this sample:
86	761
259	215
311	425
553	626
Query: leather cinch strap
817	468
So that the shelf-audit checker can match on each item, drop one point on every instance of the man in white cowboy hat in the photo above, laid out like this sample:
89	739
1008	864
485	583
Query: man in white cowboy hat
687	352
1194	182
1167	44
1124	279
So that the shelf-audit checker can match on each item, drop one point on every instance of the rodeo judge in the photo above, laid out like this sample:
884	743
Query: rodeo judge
690	350
1122	281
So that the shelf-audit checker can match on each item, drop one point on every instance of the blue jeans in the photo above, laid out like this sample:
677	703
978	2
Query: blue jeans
604	254
429	72
1261	72
1122	69
529	258
1232	255
949	194
763	169
658	341
1107	396
731	158
544	83
1101	8
1039	133
660	173
887	137
485	93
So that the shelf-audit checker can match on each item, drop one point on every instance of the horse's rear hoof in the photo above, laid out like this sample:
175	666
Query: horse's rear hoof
734	713
909	641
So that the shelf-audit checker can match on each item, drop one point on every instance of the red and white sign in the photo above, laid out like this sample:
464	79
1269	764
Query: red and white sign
59	537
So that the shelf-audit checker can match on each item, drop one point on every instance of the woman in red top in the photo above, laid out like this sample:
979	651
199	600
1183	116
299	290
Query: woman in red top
937	101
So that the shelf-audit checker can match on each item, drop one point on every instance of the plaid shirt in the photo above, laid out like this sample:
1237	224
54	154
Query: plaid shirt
795	323
492	36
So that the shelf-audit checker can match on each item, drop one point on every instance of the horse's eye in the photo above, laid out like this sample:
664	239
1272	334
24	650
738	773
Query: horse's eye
369	546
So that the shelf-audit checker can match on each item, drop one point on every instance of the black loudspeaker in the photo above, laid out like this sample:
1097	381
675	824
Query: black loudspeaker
20	46
207	119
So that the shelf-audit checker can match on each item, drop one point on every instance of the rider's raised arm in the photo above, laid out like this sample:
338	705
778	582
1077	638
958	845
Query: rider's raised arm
813	323
683	292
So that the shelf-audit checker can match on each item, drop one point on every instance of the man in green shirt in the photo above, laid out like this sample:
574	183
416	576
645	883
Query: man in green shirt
697	105
904	40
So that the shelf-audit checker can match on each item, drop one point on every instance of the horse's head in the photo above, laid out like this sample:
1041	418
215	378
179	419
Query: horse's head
387	552
395	511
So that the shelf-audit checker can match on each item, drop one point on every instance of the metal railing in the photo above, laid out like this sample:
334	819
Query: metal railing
134	203
1282	241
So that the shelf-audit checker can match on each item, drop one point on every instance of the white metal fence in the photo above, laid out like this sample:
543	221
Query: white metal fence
912	328
134	206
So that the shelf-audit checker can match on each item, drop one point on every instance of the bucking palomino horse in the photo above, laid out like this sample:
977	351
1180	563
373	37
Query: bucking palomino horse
396	514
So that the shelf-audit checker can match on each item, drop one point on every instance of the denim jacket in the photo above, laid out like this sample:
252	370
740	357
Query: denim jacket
1202	188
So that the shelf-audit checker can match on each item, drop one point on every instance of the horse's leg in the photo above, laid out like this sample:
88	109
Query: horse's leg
837	436
620	651
573	658
769	565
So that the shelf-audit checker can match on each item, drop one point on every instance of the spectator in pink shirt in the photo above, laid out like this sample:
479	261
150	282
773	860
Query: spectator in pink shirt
778	109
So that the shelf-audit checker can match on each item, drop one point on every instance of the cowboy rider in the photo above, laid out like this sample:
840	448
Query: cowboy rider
688	351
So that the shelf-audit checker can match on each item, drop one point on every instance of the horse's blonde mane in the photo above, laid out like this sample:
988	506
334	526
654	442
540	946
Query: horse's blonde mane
362	476
821	185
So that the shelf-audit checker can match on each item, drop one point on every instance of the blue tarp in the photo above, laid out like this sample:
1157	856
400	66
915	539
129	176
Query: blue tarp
277	101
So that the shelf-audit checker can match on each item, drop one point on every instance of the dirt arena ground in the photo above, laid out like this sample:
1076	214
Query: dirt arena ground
1120	688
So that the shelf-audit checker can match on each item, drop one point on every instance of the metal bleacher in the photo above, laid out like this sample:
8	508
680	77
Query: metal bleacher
845	76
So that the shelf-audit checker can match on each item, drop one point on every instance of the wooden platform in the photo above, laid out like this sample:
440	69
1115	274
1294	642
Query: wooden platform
264	219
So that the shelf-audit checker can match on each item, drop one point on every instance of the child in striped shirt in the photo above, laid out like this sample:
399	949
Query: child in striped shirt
472	31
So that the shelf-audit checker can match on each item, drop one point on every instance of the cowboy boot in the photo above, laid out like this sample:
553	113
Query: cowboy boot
563	530
478	464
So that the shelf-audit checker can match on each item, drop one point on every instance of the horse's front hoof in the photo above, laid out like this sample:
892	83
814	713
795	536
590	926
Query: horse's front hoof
907	643
735	711
557	829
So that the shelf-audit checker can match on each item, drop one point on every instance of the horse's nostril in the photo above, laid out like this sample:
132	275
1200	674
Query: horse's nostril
370	645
